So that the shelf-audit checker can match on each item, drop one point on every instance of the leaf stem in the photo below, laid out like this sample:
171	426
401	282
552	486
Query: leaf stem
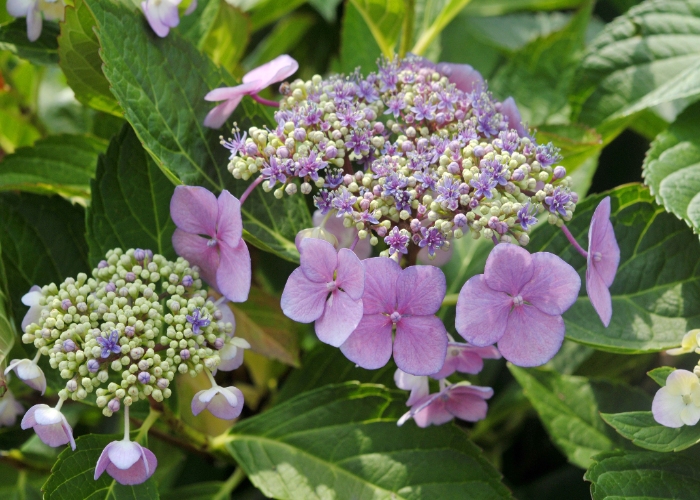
153	415
231	483
443	19
407	30
450	299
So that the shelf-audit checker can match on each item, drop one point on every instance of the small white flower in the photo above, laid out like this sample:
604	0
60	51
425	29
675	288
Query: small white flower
232	354
678	403
418	385
29	373
50	425
32	10
225	403
688	344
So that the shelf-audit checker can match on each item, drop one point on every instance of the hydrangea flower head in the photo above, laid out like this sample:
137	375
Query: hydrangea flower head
518	302
223	257
407	299
678	402
326	288
603	259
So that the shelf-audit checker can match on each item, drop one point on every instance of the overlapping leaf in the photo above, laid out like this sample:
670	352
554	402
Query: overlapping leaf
43	51
343	441
383	18
568	407
645	432
59	164
130	201
500	7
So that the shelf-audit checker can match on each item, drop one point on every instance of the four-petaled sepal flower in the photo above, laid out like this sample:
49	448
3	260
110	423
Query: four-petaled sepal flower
225	403
29	373
127	462
461	400
603	260
50	425
678	402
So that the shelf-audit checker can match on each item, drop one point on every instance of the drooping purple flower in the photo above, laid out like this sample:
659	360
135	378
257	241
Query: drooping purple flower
28	372
557	201
197	322
602	261
483	185
225	403
110	344
448	193
222	256
547	154
431	238
461	400
395	104
526	216
465	358
127	462
343	203
326	288
518	302
50	425
397	241
406	298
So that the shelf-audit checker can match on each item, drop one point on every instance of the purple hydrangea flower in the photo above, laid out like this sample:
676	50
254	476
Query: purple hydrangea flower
423	110
366	217
461	400
603	259
518	302
273	172
349	116
326	288
393	184
395	105
448	193
526	216
431	238
225	403
547	154
509	140
367	91
465	358
110	344
408	299
343	203
234	145
359	142
333	179
483	185
397	241
197	322
324	201
50	425
127	462
557	201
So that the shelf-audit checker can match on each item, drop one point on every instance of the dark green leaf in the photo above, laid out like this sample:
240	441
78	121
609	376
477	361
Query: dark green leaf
654	293
647	56
161	84
358	48
13	37
569	406
282	39
197	491
7	333
645	432
659	375
42	242
61	164
73	475
327	365
644	475
672	167
130	201
80	61
269	11
342	441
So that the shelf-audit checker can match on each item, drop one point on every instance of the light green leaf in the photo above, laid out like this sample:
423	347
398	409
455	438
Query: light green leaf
73	475
383	18
639	60
60	164
358	48
644	475
500	7
269	11
645	432
282	39
261	322
672	167
42	242
653	295
428	33
342	442
568	407
161	84
130	201
80	61
659	375
44	51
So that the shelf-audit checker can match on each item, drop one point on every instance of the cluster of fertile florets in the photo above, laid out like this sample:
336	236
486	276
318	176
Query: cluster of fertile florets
433	162
140	315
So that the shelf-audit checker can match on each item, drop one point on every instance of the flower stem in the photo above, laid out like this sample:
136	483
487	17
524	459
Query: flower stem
146	425
231	483
252	186
266	102
573	241
354	242
328	216
495	240
211	378
59	404
126	423
36	358
450	299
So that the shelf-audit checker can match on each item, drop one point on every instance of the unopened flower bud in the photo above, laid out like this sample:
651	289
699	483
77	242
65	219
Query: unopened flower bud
559	172
185	354
71	386
114	405
68	345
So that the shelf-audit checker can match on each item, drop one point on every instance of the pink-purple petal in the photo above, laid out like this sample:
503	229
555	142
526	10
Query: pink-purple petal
29	420
599	295
532	337
220	406
420	345
228	93
464	76
340	317
381	274
554	285
302	299
234	274
229	224
601	239
318	259
434	414
124	454
195	250
137	473
53	435
467	403
511	113
482	314
369	345
274	71
420	290
508	268
195	210
351	274
198	406
218	116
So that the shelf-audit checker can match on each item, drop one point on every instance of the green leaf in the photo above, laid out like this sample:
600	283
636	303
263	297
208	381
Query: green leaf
672	167
500	7
59	164
7	333
286	35
644	475
42	242
654	292
645	432
130	201
80	61
649	55
342	442
540	75
568	407
197	491
161	84
261	322
269	11
383	18
44	51
327	365
73	475
449	11
327	8
358	48
659	375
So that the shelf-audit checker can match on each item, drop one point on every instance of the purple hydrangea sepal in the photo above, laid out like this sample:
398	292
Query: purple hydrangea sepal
461	400
110	344
518	302
465	358
603	259
50	425
127	462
